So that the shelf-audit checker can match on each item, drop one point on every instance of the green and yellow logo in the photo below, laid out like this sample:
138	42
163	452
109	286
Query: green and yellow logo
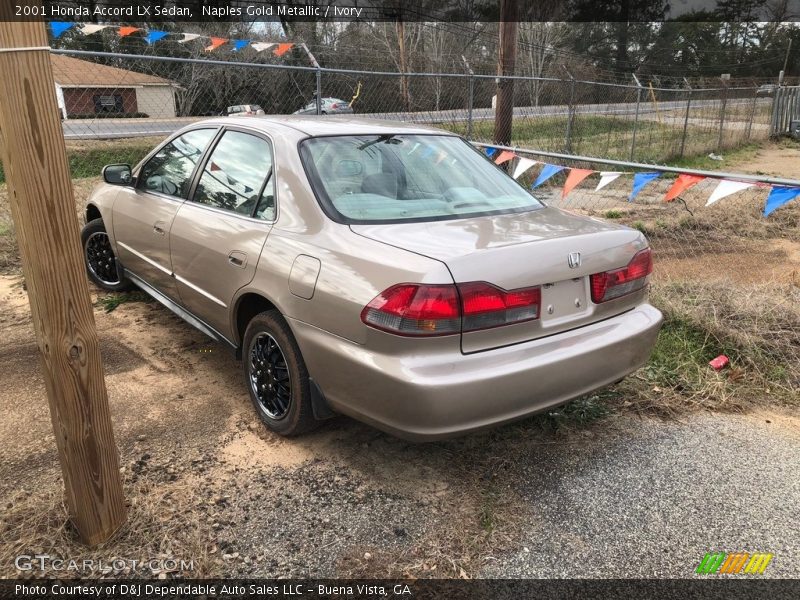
715	563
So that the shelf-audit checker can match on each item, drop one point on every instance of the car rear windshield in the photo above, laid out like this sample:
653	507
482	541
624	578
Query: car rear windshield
398	178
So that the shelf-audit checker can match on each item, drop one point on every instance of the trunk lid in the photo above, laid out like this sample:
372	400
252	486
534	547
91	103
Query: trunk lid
514	251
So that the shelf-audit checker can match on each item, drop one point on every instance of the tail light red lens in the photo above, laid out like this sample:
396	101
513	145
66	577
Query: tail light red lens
334	105
412	309
486	306
426	310
619	282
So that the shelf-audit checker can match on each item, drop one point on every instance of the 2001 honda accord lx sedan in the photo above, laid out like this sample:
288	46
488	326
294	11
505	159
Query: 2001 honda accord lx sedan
385	271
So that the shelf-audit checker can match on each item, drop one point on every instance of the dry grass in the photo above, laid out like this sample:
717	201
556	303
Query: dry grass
757	326
163	523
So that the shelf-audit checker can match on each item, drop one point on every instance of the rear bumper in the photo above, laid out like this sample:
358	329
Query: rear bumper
445	394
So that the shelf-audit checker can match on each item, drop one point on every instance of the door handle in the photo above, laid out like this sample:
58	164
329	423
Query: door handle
238	259
158	229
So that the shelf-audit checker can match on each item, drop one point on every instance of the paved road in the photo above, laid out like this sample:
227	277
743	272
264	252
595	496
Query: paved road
652	500
122	128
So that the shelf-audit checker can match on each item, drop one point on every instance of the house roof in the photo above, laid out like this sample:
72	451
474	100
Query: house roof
74	72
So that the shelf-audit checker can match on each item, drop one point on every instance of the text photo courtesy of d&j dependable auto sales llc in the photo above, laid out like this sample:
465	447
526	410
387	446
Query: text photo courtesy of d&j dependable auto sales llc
346	299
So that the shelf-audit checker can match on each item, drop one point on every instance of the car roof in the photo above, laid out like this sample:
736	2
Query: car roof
314	125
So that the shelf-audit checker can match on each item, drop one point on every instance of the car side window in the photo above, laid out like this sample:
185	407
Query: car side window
238	176
170	170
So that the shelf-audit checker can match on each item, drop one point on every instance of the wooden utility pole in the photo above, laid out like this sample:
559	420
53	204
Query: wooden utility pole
504	108
43	209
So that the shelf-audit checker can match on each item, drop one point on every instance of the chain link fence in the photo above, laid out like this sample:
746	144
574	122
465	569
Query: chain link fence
725	266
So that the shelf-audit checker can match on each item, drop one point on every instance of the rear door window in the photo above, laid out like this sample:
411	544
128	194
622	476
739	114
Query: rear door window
238	176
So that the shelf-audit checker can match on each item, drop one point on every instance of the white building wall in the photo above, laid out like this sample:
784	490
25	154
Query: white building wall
157	101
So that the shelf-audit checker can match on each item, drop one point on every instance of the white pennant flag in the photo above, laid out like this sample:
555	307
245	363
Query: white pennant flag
188	37
726	188
261	46
91	28
523	165
606	177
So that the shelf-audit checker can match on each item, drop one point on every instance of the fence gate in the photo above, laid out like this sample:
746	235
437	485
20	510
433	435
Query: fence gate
785	109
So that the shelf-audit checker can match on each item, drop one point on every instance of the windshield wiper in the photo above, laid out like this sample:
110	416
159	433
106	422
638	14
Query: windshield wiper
380	138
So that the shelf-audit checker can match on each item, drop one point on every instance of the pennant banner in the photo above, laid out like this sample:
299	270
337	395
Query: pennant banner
547	172
523	165
778	197
640	180
503	157
59	27
216	43
282	49
91	28
682	183
261	46
153	36
574	178
726	188
188	37
490	152
606	177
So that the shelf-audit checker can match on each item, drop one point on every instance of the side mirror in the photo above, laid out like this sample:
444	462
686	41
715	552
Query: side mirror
117	174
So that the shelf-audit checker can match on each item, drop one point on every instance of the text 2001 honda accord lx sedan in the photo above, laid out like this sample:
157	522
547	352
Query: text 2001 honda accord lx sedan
388	272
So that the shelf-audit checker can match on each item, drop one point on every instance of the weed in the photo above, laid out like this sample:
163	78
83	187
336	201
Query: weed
613	214
111	302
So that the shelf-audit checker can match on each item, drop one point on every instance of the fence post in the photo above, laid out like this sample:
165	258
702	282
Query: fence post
319	90
43	208
470	95
636	118
686	118
722	116
570	113
752	114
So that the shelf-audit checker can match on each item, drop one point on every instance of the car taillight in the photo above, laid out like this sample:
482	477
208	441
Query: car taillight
412	309
334	105
613	284
426	310
484	305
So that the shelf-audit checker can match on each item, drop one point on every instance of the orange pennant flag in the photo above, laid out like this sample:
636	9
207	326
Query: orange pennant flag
282	49
123	31
216	43
682	183
504	156
574	178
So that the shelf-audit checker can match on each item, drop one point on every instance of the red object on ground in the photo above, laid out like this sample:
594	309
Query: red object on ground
719	363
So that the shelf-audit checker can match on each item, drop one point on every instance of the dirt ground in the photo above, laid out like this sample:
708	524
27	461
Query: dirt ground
205	482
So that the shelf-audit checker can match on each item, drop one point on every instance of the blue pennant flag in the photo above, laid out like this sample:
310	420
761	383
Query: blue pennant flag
239	44
546	173
154	36
59	27
778	197
427	152
490	152
640	180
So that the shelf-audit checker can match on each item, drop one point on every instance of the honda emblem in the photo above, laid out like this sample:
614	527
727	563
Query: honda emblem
574	260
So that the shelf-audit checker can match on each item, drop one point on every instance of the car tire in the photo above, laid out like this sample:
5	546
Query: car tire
102	265
276	375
